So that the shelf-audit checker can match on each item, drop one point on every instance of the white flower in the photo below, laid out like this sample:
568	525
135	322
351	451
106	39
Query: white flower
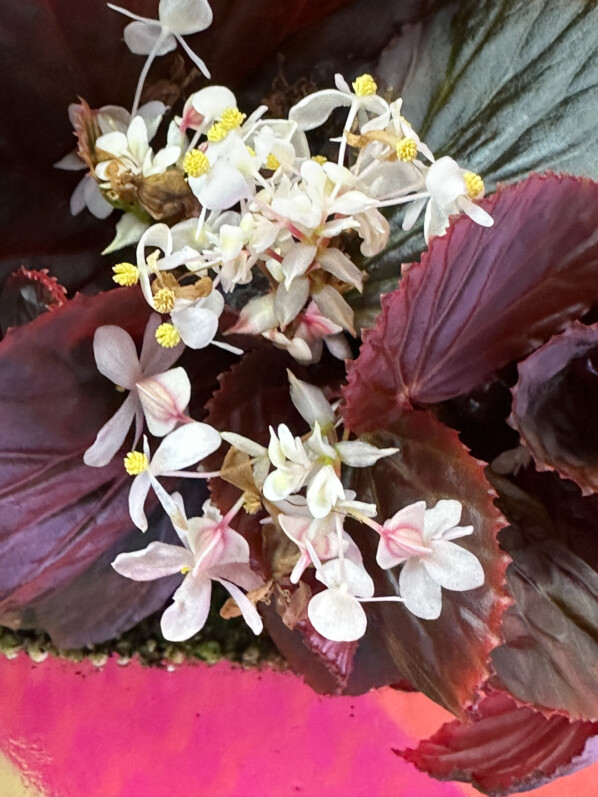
133	153
155	37
421	538
291	463
184	447
161	394
336	613
213	552
447	185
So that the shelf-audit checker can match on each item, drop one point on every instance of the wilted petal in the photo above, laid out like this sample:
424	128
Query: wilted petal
185	446
155	561
116	356
421	594
189	612
164	398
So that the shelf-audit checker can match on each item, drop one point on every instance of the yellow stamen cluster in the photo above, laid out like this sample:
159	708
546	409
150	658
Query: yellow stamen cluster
272	162
164	300
135	463
364	85
251	151
232	118
406	150
474	185
168	336
125	274
321	159
196	163
185	570
216	133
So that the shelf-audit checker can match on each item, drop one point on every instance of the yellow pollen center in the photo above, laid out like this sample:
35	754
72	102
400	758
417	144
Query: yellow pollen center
321	159
217	132
474	185
406	150
125	274
251	151
135	463
364	85
185	570
168	336
164	300
196	163
272	162
232	118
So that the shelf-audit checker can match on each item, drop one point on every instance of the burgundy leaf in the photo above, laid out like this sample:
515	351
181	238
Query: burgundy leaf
554	405
447	658
27	294
479	299
59	515
551	632
504	747
100	604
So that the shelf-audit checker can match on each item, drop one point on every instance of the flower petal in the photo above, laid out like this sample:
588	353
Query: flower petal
112	434
421	594
440	518
137	495
142	37
164	398
337	615
197	325
453	567
185	16
185	446
248	610
189	612
310	402
359	454
155	561
324	491
116	356
313	110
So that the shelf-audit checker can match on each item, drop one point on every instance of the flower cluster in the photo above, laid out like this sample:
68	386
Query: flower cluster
241	198
230	197
298	482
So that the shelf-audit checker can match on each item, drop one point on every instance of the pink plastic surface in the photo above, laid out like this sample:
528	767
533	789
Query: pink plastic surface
201	731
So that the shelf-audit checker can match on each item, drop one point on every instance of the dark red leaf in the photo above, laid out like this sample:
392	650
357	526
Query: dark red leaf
447	659
100	604
554	405
59	515
551	632
27	294
503	747
479	299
